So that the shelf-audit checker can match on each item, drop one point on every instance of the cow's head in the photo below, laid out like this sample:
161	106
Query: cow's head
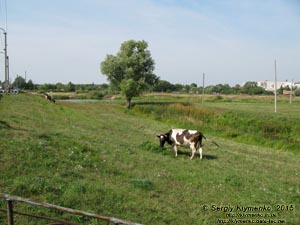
163	138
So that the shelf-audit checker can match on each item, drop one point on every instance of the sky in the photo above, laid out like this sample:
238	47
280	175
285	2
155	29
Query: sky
231	41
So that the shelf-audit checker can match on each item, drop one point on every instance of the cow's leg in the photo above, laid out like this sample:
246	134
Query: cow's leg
193	147
200	152
175	150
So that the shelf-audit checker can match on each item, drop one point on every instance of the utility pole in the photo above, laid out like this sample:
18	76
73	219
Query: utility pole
275	87
6	74
7	70
291	92
202	100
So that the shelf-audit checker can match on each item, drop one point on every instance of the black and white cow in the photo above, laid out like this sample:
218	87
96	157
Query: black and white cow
182	137
49	97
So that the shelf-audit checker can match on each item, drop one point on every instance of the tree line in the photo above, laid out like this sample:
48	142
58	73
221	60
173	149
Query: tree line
131	72
250	88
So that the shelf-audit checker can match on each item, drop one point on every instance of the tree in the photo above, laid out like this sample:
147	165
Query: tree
20	82
30	85
297	92
46	87
163	86
248	87
129	88
131	70
59	87
70	87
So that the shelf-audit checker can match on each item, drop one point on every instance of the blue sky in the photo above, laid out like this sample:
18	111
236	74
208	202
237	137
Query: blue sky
231	41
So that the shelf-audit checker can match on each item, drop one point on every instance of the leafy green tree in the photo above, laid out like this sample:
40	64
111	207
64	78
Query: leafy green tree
186	88
193	85
70	87
179	87
237	89
129	88
130	70
297	92
194	88
251	88
164	86
59	87
46	87
30	85
20	82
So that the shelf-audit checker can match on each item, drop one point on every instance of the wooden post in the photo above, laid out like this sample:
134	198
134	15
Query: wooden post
10	213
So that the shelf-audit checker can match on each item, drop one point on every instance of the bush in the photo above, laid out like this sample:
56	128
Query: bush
297	92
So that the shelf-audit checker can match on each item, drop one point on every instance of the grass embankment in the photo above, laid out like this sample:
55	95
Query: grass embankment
244	121
99	158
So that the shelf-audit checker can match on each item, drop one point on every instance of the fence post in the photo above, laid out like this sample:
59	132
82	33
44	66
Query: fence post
10	213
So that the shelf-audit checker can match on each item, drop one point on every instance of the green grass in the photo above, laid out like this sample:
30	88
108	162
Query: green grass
100	158
246	122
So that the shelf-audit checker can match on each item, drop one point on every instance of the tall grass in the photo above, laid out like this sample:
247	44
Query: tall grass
248	127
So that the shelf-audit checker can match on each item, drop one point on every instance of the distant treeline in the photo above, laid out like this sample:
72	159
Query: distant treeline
249	87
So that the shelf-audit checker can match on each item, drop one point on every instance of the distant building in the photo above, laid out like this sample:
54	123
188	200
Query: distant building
270	85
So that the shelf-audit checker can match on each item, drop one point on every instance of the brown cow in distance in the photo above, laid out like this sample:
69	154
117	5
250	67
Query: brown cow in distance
49	97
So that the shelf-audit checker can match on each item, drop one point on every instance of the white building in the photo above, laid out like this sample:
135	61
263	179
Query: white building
270	85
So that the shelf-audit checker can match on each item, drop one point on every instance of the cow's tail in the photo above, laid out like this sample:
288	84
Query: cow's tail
215	143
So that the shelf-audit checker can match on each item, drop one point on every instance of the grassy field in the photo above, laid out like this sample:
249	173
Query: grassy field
239	118
99	157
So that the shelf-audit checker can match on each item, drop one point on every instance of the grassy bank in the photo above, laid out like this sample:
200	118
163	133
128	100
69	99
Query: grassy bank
99	158
242	121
